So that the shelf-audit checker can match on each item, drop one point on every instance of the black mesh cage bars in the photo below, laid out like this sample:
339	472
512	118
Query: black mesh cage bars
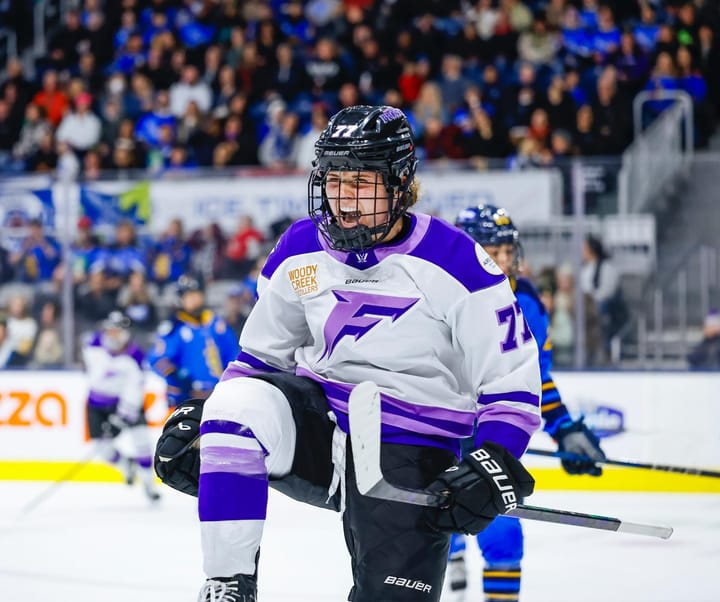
363	138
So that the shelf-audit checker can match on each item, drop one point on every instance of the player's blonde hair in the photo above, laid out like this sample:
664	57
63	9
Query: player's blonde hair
413	192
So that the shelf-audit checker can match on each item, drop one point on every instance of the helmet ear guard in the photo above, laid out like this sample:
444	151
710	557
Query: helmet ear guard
363	138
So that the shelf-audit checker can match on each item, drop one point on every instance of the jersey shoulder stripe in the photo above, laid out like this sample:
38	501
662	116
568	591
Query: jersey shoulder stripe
300	238
457	254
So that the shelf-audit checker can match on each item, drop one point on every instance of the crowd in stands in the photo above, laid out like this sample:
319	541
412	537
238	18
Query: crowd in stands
133	273
123	269
174	84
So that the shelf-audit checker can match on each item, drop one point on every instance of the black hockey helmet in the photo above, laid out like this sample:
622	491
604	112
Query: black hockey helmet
186	284
363	138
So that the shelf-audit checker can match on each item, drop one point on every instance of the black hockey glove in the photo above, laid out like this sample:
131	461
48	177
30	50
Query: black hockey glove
177	454
117	422
488	482
113	426
576	438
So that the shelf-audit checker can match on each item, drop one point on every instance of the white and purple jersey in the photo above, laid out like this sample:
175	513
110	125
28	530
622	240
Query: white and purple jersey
429	318
114	378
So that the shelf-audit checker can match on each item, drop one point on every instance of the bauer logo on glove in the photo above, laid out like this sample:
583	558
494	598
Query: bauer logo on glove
501	480
488	482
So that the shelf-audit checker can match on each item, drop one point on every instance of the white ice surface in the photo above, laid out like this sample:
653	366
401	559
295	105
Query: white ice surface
103	543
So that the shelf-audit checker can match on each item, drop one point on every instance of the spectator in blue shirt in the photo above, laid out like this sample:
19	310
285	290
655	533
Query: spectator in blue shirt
646	31
662	78
606	38
148	126
576	39
170	257
130	56
123	257
38	255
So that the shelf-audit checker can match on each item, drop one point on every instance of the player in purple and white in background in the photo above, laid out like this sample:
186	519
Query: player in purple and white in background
115	411
363	290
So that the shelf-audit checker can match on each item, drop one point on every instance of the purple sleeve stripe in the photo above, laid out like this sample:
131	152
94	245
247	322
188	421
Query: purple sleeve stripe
527	421
230	496
415	424
514	439
341	391
451	423
238	370
254	362
521	396
454	251
424	425
227	427
232	459
301	237
393	434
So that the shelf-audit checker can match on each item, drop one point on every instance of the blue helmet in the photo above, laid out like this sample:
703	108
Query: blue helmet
489	225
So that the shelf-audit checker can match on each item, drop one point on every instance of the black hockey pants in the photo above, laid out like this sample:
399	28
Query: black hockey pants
395	555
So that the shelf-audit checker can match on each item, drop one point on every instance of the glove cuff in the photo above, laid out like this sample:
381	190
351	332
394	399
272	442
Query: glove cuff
564	426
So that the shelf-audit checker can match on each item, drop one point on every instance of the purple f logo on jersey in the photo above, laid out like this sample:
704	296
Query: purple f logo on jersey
357	313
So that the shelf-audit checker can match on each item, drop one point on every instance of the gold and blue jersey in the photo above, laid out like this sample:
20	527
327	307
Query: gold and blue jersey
553	410
190	354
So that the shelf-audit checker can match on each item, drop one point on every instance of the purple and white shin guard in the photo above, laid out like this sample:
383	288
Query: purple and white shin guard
234	469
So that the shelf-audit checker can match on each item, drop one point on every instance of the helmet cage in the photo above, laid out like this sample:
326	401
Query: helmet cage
375	139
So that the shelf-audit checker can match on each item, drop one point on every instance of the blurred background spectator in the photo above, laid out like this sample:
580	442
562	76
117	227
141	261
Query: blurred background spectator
706	355
169	86
198	69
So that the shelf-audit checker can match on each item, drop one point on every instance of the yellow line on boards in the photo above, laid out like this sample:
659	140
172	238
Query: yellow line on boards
612	479
624	479
94	472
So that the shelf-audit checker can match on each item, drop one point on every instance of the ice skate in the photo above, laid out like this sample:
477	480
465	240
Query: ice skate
128	468
240	588
147	477
457	573
152	494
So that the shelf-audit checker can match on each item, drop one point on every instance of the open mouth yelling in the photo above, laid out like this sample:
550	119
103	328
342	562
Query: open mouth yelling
349	217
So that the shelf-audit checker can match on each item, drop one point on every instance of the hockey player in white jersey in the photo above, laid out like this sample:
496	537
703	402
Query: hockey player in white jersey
115	412
362	290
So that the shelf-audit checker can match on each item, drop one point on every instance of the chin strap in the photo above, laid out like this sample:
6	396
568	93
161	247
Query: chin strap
357	238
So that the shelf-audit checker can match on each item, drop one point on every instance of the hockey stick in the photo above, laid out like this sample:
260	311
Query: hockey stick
365	425
70	472
63	478
701	472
